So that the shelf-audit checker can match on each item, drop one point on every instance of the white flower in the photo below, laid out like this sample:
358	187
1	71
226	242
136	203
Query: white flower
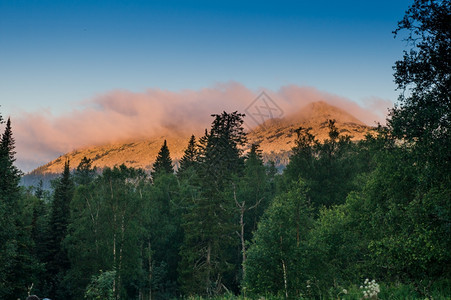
345	291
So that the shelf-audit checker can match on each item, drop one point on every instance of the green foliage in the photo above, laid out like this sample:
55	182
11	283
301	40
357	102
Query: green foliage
207	252
107	230
57	260
221	148
85	173
101	286
329	168
190	156
164	236
18	265
423	117
341	212
275	263
163	162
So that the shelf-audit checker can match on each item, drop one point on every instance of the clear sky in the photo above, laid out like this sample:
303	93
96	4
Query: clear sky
55	55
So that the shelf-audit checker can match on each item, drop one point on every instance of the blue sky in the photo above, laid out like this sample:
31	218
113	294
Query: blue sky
55	54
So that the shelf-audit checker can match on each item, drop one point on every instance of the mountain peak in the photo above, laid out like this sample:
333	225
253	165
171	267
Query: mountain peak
274	136
321	111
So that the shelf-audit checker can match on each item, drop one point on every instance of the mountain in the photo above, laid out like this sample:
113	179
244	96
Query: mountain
275	136
278	135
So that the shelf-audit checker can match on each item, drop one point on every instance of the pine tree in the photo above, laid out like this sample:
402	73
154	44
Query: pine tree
163	162
85	173
39	192
9	174
208	250
221	149
255	188
8	197
190	156
58	262
17	265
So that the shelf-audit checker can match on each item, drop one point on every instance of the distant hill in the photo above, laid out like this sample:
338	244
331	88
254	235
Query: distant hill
276	138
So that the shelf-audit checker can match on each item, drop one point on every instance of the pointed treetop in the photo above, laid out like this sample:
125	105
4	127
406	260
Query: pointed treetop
9	174
163	162
7	142
190	156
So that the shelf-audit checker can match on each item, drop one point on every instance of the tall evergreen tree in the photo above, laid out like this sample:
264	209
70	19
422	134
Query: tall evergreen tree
190	156
210	240
85	173
163	162
17	265
9	191
58	262
10	175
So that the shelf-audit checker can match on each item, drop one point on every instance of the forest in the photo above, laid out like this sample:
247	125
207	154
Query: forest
345	220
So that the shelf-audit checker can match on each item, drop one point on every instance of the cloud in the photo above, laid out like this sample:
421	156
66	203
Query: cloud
121	115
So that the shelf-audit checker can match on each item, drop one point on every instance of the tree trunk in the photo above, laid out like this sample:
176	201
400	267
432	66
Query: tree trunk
285	278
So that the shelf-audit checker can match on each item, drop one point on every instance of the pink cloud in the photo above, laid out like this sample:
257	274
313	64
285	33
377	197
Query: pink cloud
124	115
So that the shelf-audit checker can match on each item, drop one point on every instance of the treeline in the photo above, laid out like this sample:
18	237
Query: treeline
225	223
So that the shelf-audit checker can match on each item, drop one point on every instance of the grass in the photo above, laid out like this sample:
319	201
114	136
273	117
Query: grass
437	291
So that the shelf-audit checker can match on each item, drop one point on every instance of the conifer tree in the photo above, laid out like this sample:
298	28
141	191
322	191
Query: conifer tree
190	156
85	173
10	175
163	162
17	265
210	242
8	197
58	262
255	188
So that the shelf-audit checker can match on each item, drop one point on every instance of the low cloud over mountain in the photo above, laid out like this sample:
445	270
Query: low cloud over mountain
122	115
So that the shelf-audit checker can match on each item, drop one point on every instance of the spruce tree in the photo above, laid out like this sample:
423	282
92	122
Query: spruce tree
17	265
163	162
85	173
255	188
208	251
58	262
8	197
9	174
190	156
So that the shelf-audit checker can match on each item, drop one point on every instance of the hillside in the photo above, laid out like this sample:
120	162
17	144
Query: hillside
276	138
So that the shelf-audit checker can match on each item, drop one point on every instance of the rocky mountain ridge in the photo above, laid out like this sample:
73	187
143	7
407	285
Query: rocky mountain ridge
275	137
